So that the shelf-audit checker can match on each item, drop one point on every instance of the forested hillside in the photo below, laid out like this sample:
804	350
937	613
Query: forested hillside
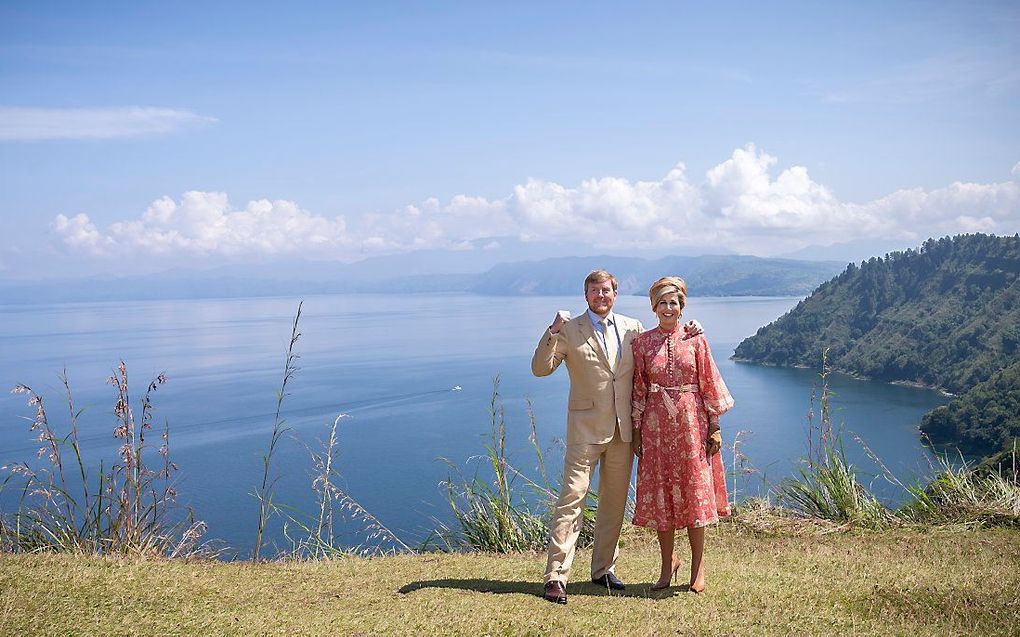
985	418
946	315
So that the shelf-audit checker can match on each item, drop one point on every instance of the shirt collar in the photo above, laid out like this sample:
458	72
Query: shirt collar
596	320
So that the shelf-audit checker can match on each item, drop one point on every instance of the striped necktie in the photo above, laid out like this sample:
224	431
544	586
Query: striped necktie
609	341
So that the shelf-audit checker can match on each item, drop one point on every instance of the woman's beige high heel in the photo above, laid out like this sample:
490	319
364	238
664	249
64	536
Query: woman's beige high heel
698	589
658	586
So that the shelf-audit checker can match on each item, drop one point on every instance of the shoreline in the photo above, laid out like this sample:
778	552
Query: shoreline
902	383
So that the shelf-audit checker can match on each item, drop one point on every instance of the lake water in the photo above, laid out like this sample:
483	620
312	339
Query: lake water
391	362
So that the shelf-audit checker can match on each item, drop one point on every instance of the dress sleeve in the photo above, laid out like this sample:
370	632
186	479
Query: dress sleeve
716	396
639	391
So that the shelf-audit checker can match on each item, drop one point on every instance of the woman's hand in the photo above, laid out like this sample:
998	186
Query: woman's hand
635	443
714	442
692	328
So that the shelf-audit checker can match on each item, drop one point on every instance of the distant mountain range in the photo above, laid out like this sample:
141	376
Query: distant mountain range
946	315
707	275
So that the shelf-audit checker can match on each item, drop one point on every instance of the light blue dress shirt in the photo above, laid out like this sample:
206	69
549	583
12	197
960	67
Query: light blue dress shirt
596	322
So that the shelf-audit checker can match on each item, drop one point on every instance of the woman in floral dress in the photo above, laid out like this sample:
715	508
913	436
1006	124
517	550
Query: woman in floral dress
677	400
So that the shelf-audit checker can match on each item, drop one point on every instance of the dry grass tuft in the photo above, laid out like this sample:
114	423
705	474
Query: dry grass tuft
128	507
759	517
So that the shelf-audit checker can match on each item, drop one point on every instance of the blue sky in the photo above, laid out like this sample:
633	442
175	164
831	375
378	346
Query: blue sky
213	133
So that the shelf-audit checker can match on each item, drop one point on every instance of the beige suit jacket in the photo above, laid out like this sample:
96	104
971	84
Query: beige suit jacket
599	397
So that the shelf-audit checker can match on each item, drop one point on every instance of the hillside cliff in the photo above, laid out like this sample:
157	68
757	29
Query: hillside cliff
946	315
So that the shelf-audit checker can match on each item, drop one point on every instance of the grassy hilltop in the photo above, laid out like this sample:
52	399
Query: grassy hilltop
901	582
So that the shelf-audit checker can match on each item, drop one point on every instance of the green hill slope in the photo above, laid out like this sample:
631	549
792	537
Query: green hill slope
946	315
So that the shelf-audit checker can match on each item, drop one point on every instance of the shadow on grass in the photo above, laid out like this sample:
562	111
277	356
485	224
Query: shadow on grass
642	591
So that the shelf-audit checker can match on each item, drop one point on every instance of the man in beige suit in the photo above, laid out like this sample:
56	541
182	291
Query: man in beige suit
596	347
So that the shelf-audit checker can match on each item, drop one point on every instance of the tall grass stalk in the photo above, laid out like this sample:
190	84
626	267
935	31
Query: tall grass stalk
741	464
324	486
73	436
820	439
266	487
545	491
317	537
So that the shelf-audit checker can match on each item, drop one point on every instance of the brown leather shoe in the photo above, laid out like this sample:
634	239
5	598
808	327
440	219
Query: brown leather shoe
555	592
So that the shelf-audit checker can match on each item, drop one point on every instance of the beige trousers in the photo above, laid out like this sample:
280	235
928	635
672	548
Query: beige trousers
615	460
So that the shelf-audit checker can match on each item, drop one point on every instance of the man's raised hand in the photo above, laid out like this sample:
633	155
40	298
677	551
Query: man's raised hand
562	316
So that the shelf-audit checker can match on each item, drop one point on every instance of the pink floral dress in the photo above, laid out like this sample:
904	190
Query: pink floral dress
676	387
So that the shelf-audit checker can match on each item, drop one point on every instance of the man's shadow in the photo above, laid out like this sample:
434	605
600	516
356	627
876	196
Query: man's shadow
498	587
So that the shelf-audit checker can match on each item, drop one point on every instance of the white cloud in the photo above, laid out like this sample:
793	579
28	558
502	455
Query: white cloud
959	207
79	232
433	224
36	124
608	210
738	205
205	224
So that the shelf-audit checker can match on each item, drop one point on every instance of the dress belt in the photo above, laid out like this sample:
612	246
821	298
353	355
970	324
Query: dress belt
667	399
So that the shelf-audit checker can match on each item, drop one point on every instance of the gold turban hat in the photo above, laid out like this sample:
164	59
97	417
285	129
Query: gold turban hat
668	285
